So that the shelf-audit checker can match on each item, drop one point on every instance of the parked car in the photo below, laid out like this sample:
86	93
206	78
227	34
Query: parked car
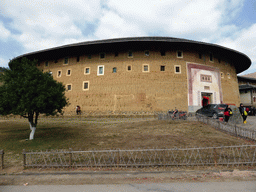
212	110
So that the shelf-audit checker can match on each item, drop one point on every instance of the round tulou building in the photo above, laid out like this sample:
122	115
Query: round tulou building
143	75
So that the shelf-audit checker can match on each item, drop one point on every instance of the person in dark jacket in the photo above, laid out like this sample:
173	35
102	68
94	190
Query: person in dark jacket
227	113
243	112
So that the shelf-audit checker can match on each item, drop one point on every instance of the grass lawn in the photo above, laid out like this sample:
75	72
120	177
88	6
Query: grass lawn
107	133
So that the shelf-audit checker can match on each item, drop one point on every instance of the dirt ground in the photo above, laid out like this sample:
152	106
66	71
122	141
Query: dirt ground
149	133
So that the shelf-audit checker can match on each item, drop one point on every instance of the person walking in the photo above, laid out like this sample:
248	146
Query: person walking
78	109
227	113
243	112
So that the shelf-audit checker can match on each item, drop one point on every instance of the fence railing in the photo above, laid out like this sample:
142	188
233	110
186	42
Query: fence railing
206	156
232	129
2	159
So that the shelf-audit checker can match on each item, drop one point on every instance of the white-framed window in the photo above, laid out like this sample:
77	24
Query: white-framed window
87	70
66	60
102	55
68	72
59	73
162	68
129	68
221	74
100	70
179	54
147	53
46	64
228	75
206	78
145	68
85	85
177	69
69	87
130	54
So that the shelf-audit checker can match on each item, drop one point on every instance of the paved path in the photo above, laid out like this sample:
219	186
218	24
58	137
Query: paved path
244	186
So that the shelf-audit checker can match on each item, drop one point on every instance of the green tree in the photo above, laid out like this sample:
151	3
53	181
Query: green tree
29	92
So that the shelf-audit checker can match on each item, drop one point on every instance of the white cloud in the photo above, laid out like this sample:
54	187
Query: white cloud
48	23
5	33
112	25
3	62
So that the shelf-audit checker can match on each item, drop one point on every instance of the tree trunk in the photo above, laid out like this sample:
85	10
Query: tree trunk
33	130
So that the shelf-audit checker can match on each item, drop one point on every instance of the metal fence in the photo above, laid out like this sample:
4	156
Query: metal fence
232	129
207	156
2	159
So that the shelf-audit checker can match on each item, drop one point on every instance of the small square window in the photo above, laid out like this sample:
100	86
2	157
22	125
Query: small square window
177	69
69	87
145	68
89	56
77	58
86	85
179	54
87	70
114	70
129	68
100	70
147	53
162	53
58	73
68	72
162	68
130	54
102	55
228	75
116	54
66	60
46	64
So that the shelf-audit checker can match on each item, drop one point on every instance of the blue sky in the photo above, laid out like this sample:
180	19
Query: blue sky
32	25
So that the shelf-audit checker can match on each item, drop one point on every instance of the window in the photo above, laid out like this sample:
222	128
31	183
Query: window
147	53
162	53
100	70
89	56
58	73
129	68
66	60
211	57
86	85
102	55
116	54
179	54
145	68
130	54
69	87
77	58
114	70
206	78
162	68
68	72
46	64
221	74
177	69
87	70
228	75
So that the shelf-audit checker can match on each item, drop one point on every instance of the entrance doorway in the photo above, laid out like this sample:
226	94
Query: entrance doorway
206	98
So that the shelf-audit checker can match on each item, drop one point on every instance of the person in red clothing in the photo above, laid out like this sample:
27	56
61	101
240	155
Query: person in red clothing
227	113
